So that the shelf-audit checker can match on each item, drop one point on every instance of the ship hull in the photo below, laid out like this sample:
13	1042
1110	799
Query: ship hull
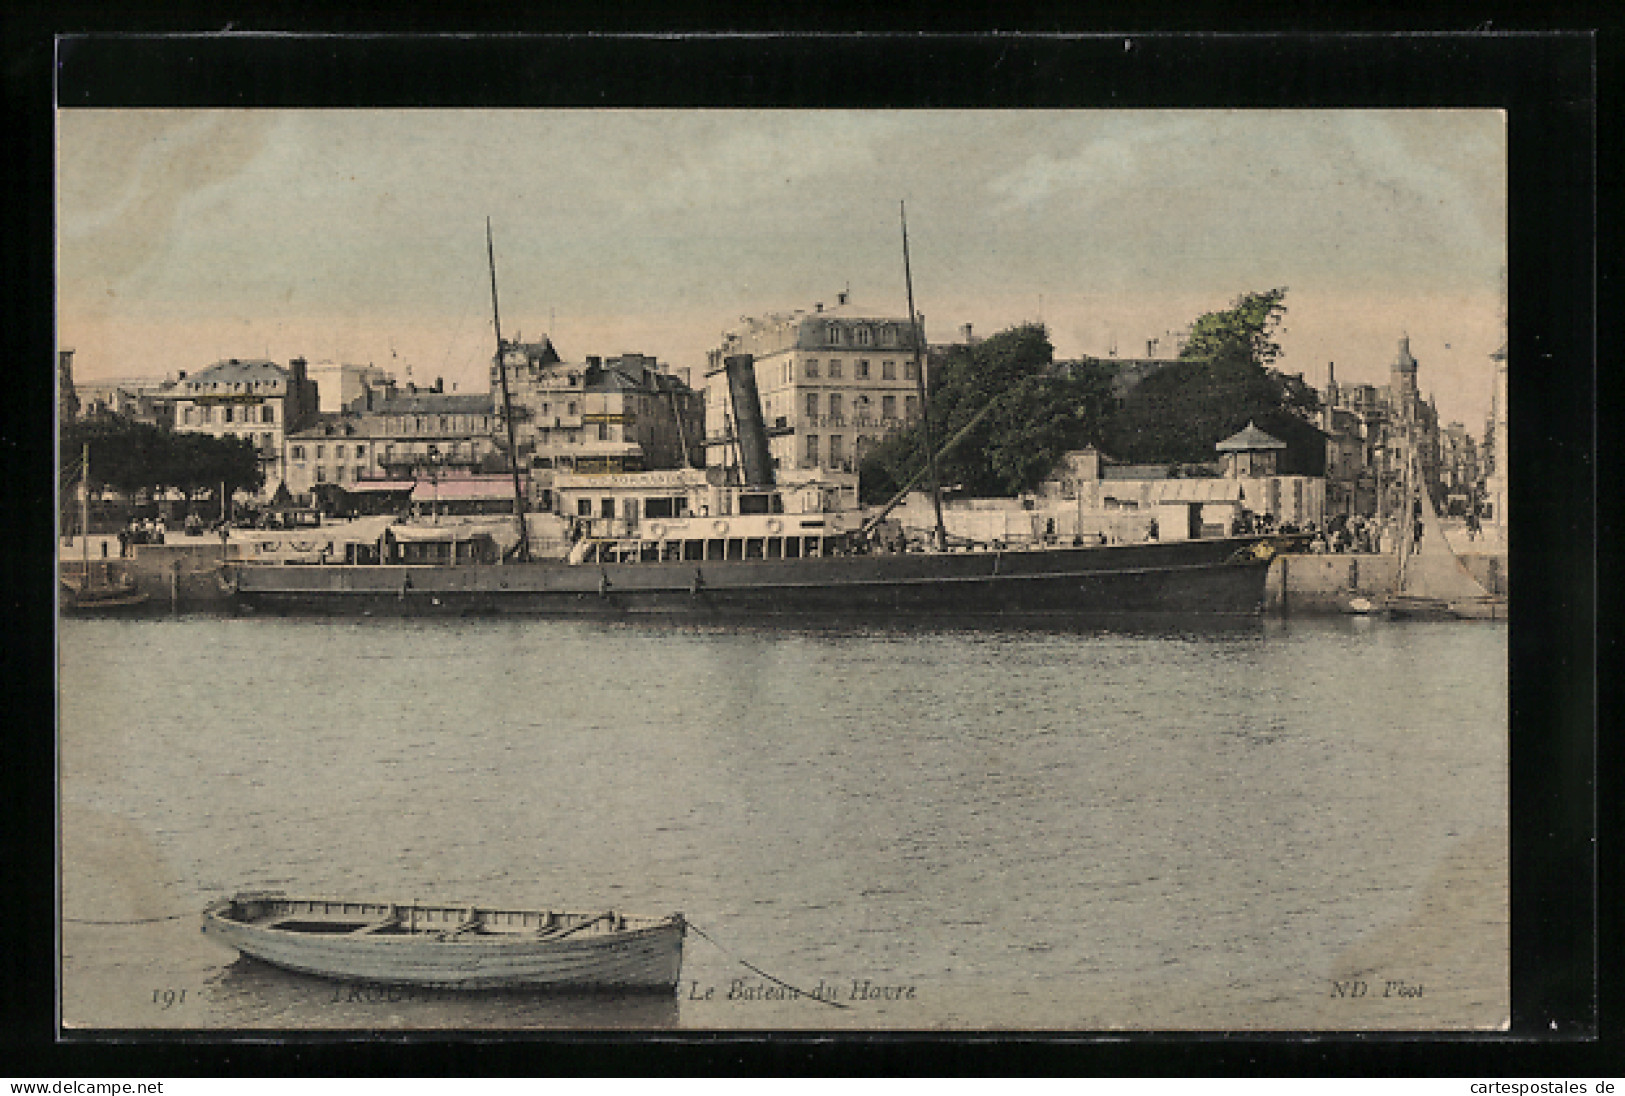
1210	578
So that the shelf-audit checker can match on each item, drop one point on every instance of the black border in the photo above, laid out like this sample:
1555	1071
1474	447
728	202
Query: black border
1545	80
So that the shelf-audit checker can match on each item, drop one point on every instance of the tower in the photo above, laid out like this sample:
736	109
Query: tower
1402	380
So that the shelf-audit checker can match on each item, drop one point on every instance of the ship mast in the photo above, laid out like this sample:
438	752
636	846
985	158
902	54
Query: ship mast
507	404
919	377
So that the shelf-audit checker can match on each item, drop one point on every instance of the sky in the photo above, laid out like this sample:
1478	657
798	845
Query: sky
185	237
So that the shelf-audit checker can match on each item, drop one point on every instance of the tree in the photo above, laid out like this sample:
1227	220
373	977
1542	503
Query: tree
137	457
1222	381
1036	416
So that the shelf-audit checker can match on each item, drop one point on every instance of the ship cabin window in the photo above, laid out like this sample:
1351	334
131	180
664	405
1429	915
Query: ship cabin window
693	550
713	549
815	546
792	547
761	503
736	548
670	506
775	547
671	551
650	552
755	548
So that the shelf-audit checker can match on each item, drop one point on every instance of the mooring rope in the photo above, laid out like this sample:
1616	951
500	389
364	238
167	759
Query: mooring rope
136	921
758	970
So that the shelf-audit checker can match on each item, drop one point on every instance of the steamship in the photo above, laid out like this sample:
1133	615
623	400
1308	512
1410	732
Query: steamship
759	550
762	550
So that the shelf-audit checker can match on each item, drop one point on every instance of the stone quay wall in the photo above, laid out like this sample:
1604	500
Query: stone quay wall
1307	584
181	574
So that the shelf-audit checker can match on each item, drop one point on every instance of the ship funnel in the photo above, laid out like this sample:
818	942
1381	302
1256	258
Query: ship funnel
757	462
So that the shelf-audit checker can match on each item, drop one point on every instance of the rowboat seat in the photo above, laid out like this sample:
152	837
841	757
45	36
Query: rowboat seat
470	923
378	926
608	915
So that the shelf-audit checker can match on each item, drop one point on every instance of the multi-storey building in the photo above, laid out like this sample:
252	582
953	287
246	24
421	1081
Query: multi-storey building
418	434
833	383
1126	373
342	386
1375	434
253	399
623	414
141	399
1459	472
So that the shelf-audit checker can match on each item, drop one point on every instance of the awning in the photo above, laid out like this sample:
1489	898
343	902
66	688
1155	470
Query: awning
481	489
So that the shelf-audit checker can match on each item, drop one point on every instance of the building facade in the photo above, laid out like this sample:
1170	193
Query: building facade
624	414
1374	433
418	434
253	399
833	384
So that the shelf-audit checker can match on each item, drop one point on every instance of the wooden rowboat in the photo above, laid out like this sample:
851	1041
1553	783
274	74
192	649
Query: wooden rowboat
452	947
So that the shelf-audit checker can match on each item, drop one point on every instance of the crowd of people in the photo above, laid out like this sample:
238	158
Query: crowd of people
1344	533
153	530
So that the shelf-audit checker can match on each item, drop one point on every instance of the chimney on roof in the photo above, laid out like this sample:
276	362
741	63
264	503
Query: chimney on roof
840	298
439	384
182	375
818	307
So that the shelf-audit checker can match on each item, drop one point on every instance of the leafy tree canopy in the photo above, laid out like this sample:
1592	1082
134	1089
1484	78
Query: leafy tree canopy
135	457
1036	415
1221	381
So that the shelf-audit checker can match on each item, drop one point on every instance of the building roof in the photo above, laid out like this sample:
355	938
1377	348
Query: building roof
1249	439
233	370
1405	361
1115	471
845	308
543	352
380	487
435	403
612	377
463	488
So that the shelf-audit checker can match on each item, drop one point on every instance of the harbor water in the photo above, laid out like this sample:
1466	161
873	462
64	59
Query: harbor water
1287	824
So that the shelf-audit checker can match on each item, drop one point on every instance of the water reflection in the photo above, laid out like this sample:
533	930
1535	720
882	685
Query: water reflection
249	993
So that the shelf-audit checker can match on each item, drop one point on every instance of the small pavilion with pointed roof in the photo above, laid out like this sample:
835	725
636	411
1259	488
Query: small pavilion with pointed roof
1251	452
